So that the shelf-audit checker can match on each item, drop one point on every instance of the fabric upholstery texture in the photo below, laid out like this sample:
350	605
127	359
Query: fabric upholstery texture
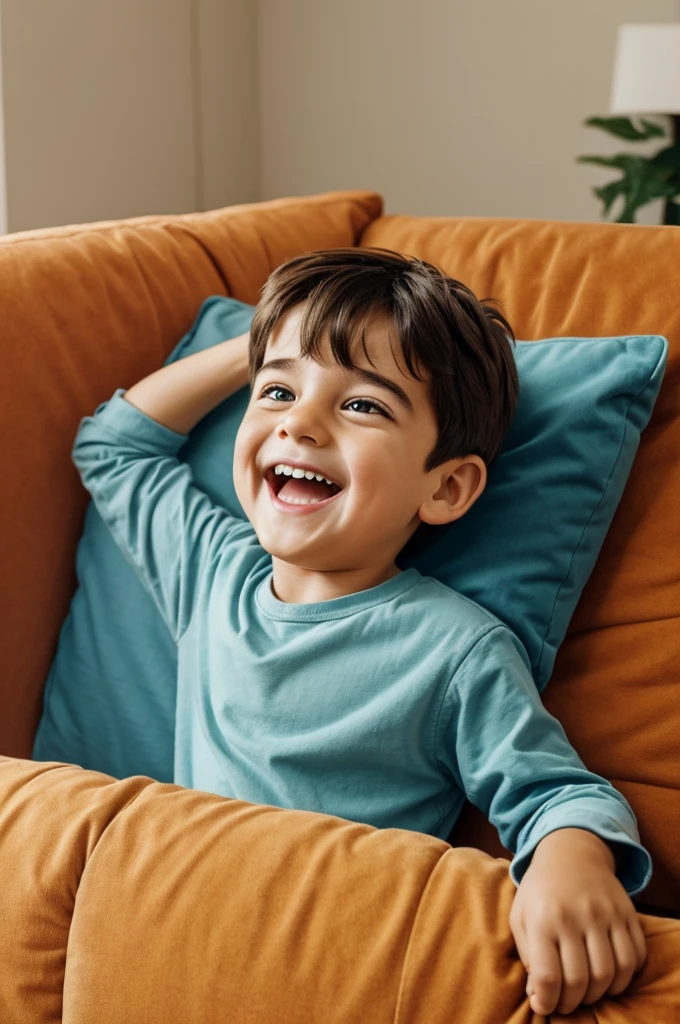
87	309
179	906
524	551
111	692
616	674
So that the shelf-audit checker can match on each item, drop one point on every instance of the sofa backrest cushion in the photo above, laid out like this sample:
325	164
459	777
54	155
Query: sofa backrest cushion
617	674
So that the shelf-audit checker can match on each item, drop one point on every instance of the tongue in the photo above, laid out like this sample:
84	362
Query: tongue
296	489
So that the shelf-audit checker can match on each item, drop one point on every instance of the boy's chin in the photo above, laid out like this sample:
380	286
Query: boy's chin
298	556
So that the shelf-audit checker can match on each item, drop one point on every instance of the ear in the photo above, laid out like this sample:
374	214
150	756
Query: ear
458	483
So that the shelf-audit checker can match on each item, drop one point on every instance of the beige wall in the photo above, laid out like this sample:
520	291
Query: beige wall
469	107
116	109
228	99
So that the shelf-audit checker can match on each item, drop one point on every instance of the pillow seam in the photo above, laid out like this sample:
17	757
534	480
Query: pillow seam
626	428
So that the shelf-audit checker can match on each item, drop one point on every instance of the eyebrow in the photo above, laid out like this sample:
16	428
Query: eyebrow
367	375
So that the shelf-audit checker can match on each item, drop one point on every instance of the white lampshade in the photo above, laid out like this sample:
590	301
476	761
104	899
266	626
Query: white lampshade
647	70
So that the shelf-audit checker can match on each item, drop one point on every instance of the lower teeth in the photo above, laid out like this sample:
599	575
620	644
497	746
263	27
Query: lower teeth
311	501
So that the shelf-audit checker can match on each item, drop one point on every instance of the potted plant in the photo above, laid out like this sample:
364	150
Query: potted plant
643	178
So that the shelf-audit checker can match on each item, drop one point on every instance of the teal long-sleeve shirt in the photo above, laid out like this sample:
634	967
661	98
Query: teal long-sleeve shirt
388	706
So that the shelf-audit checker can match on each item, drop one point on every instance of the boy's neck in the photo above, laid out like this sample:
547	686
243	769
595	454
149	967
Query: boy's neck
294	585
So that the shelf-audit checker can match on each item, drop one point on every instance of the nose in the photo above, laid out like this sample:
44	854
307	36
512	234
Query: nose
304	421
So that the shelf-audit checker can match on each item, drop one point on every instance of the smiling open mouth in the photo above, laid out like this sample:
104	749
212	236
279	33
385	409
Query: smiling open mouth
299	490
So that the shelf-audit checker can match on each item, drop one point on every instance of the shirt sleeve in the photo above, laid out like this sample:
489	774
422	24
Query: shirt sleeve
168	529
514	762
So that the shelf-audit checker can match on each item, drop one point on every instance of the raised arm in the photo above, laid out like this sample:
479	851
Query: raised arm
168	529
179	395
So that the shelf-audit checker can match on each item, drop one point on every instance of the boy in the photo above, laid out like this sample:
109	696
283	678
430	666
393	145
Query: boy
312	672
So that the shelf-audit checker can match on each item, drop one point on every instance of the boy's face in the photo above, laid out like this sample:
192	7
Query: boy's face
359	434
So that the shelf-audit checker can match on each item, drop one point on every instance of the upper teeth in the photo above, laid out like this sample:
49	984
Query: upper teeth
295	471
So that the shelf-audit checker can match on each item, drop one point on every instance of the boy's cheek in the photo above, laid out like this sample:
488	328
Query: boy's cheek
246	475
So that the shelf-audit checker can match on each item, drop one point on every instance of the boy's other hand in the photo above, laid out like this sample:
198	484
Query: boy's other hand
576	930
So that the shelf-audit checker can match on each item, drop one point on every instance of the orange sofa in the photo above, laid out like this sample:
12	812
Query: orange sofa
135	901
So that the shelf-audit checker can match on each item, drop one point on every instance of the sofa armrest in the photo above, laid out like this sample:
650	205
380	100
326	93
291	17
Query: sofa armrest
136	900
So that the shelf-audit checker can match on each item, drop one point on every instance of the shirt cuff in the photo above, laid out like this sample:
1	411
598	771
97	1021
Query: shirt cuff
633	862
130	424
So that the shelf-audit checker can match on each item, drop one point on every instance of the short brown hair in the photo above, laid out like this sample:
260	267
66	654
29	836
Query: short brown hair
464	344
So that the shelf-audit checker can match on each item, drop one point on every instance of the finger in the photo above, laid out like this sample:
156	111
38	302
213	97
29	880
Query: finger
545	974
639	940
602	964
519	935
520	942
575	970
517	929
625	956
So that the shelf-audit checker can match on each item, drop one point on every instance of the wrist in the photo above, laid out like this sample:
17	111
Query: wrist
236	352
578	840
180	394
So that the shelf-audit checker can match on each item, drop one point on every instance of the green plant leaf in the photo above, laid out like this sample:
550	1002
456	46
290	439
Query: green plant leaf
654	130
643	179
644	183
621	161
610	193
624	128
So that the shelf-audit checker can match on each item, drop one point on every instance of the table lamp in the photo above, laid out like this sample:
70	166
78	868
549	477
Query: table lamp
646	77
646	80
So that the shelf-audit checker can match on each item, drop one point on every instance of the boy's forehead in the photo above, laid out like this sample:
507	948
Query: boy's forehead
380	338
